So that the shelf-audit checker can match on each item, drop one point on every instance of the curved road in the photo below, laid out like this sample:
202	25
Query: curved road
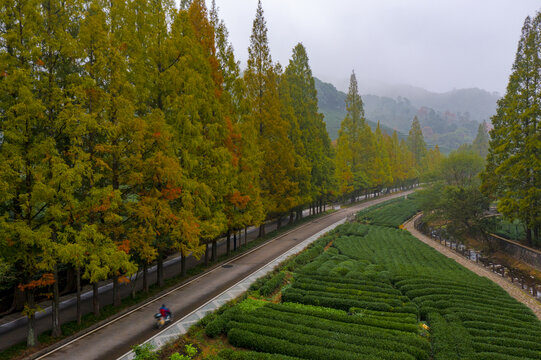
116	338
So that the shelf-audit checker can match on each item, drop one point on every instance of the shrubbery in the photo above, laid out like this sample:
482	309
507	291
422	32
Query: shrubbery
364	296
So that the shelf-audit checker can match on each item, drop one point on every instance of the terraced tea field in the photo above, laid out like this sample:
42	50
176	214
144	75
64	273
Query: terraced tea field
391	213
374	292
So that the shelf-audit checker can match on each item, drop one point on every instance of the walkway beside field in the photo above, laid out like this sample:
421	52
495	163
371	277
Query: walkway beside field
511	289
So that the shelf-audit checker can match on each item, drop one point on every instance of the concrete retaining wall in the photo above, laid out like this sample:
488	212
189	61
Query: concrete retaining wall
520	252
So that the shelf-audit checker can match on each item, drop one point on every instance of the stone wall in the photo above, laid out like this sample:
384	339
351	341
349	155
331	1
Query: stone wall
520	252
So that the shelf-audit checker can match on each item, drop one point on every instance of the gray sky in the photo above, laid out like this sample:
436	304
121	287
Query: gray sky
435	44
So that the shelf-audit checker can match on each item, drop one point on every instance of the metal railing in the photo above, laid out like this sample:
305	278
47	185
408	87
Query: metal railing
519	277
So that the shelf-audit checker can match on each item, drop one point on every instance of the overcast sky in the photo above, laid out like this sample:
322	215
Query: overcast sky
435	44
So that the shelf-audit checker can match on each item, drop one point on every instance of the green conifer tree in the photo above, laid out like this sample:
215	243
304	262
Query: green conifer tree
513	170
24	184
416	144
480	143
277	189
313	134
355	145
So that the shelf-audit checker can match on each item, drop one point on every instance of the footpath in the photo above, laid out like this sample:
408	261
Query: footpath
511	289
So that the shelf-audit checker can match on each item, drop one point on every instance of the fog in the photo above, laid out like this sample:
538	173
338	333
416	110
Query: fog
437	45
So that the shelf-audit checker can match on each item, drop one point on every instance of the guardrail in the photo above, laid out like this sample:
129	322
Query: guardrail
519	277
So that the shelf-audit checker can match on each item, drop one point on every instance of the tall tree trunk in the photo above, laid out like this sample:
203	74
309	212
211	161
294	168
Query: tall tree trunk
55	308
145	277
214	250
279	222
116	292
96	299
182	264
291	218
262	230
207	254
70	281
159	271
18	301
245	235
529	236
78	286
234	240
31	335
133	285
228	242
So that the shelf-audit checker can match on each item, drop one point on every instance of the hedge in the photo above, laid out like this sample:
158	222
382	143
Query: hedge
272	284
229	354
342	316
306	339
336	333
262	343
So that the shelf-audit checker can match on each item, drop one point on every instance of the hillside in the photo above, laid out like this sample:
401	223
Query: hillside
475	104
448	129
332	105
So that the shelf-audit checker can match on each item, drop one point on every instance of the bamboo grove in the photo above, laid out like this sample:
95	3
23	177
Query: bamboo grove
128	132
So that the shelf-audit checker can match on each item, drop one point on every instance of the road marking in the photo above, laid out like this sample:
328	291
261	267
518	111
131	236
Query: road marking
217	267
180	327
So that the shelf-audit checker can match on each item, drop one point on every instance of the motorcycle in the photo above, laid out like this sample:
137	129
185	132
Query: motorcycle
162	321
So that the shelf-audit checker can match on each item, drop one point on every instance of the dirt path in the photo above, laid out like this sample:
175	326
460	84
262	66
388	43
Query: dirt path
514	291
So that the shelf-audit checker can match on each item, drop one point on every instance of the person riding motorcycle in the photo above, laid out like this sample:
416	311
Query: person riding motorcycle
165	312
163	317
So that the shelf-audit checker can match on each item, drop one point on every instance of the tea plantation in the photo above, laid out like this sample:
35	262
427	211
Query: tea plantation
390	213
374	292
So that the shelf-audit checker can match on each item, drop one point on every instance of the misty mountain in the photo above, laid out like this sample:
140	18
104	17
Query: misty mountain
447	128
475	104
332	104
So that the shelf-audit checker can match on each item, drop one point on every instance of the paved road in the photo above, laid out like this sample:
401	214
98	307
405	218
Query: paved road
13	327
116	339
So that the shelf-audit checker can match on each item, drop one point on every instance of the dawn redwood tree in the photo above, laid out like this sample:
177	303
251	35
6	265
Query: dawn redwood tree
355	146
28	184
513	169
302	164
107	137
382	174
416	144
214	170
244	207
55	84
277	151
314	139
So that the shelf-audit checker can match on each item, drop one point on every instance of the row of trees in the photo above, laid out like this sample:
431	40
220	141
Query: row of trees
127	133
513	169
375	160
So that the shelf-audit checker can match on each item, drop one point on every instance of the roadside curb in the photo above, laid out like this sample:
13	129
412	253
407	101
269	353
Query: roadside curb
120	314
42	353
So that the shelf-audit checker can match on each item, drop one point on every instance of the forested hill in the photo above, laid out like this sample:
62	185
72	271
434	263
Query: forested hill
478	103
332	104
449	129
